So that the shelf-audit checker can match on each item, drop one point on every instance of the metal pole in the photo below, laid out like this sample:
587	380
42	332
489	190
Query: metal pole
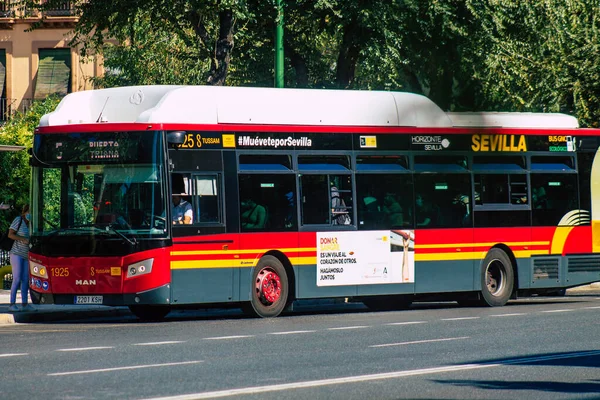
279	46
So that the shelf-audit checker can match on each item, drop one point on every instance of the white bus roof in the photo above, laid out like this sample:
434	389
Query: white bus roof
270	106
512	120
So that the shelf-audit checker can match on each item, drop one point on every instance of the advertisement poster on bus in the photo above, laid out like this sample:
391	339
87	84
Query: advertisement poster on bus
365	258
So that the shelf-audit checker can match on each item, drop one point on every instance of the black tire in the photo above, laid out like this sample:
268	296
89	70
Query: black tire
270	289
388	303
150	313
497	279
36	297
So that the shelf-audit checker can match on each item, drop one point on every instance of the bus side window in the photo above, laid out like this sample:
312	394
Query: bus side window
314	196
181	200
384	201
443	201
553	196
267	202
207	202
327	200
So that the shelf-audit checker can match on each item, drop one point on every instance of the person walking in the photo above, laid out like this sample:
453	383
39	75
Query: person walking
19	259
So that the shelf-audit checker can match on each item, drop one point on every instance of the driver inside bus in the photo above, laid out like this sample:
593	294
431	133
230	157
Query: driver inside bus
181	211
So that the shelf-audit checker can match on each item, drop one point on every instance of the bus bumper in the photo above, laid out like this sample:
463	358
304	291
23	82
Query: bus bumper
157	296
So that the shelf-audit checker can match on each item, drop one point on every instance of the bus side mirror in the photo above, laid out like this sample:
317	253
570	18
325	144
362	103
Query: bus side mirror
176	137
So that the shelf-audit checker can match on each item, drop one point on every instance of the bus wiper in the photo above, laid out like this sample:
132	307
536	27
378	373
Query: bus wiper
110	228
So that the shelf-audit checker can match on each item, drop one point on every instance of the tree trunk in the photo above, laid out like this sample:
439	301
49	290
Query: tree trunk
348	57
219	64
299	64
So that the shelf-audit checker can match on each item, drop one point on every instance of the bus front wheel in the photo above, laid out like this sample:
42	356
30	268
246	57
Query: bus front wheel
270	288
497	279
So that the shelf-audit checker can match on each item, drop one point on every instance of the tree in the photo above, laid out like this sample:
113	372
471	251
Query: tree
187	29
464	55
540	56
15	172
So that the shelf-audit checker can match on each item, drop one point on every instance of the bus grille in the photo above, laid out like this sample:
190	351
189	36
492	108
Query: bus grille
584	264
545	268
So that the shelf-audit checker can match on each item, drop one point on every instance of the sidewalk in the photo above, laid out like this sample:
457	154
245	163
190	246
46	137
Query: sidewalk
53	312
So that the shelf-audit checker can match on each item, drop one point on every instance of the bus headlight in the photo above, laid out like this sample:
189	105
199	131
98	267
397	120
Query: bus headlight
140	268
38	270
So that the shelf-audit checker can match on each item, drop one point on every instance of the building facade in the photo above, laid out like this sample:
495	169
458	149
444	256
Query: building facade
39	62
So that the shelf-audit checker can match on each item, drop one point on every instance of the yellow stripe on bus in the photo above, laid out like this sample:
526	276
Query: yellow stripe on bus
246	263
314	249
241	263
450	245
472	255
234	251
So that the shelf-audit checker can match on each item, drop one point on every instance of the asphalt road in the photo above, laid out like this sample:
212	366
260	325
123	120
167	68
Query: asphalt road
539	348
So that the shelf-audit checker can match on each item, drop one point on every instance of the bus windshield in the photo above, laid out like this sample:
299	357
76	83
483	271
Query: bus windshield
101	184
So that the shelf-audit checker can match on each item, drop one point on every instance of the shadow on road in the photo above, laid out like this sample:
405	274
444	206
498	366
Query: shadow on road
585	359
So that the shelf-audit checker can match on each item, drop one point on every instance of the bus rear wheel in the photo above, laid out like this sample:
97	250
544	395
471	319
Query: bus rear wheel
270	288
150	313
497	279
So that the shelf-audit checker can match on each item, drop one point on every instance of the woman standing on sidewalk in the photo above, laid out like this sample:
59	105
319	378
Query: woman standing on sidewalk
19	259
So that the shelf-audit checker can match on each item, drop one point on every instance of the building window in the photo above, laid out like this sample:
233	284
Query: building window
54	73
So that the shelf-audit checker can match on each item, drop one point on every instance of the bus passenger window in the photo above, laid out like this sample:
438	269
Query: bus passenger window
327	200
267	202
207	205
181	208
385	201
443	201
552	196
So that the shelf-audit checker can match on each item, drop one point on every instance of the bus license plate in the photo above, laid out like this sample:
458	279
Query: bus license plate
88	299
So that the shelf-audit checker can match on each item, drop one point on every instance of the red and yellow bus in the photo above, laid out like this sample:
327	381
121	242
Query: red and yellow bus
292	194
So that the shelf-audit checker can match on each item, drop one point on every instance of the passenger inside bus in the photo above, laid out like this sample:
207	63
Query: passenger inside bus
339	211
538	195
393	210
254	216
426	213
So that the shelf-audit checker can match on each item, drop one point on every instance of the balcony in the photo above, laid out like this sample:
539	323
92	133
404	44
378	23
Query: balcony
6	9
8	108
60	13
62	9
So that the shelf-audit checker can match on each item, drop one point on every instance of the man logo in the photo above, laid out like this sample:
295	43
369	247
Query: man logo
85	282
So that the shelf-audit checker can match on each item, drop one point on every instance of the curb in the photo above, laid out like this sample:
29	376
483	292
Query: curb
6	319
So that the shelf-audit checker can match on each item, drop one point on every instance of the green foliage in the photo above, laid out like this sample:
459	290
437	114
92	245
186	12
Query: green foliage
152	57
506	55
15	171
540	56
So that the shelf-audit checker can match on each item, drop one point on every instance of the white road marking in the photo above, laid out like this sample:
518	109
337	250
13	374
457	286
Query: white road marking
87	348
555	311
228	337
459	318
290	332
341	328
158	343
508	315
407	323
591	308
92	371
419	342
365	378
14	354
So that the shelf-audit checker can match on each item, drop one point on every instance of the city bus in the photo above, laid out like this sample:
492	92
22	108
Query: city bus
166	197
